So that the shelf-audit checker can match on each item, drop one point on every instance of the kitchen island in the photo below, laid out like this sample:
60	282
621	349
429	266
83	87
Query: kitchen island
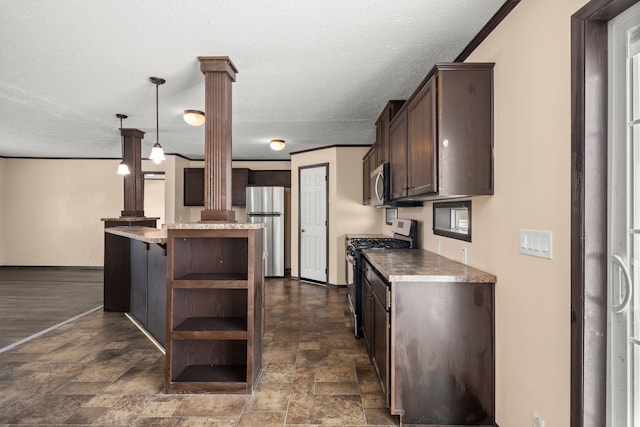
430	323
197	289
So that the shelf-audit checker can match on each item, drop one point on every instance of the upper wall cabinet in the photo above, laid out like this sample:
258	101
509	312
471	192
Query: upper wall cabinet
382	131
194	186
441	141
269	178
368	165
241	178
239	182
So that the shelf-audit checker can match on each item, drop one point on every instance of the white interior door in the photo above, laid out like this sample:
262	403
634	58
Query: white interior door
313	224
623	319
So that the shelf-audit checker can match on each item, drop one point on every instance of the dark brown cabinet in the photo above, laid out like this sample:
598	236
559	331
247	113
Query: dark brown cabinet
214	310
398	160
430	341
368	164
270	178
382	131
194	186
367	314
149	286
239	182
376	324
241	178
117	264
441	142
421	142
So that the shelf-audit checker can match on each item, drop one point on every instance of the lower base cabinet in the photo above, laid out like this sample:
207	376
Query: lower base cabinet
148	288
375	324
432	344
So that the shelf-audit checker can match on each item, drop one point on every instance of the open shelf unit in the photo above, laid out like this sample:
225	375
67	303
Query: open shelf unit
214	310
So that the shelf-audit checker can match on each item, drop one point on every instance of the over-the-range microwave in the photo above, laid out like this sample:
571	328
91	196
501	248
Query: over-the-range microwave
381	189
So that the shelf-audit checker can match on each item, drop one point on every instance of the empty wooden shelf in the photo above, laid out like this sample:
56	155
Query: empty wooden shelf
214	308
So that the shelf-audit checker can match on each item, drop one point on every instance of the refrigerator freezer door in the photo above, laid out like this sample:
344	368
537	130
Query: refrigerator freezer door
265	200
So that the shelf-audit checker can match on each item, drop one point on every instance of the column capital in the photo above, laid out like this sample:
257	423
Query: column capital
132	132
218	64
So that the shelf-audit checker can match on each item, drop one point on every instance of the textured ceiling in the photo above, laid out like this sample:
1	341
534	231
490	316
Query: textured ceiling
312	72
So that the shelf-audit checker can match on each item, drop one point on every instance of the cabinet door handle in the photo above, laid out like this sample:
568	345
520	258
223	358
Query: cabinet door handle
376	187
302	230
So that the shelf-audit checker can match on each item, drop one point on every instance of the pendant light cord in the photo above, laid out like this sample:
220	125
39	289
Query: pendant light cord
121	116
121	139
157	126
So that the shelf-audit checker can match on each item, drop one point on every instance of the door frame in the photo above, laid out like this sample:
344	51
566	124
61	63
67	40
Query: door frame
326	277
589	132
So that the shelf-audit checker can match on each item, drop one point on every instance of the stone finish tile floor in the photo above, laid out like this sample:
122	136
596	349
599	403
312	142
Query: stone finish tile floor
100	370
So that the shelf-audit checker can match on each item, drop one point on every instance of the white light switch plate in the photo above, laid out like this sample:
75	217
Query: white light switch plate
536	243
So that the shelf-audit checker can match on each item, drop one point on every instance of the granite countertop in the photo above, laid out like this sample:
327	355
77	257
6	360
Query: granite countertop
131	218
216	226
417	265
145	234
154	235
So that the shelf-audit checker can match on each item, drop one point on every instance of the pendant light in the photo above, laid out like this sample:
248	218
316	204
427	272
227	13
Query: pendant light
123	169
157	153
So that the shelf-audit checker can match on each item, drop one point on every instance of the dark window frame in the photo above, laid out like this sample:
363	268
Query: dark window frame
589	84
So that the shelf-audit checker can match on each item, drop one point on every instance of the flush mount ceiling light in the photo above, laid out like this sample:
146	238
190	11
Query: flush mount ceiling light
277	144
193	117
157	153
123	169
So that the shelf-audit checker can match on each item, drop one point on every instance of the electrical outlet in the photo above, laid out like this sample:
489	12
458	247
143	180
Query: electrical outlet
87	255
438	247
463	256
536	420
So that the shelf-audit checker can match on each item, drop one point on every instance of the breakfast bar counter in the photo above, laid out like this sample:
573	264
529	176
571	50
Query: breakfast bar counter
144	234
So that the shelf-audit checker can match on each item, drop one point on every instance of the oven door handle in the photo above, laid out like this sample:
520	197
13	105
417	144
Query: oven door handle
350	259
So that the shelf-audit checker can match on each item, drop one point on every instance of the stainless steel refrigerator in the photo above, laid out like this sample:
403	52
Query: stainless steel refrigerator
266	204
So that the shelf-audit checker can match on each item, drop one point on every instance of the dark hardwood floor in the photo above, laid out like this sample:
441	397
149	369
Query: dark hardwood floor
100	370
35	299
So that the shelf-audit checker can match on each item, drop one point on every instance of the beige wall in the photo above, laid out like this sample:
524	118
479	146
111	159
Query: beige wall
51	210
175	210
346	212
532	191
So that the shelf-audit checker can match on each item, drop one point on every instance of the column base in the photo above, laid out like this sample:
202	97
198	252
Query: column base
217	216
129	214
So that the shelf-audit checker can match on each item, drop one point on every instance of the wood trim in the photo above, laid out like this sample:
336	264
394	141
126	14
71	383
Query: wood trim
324	148
589	41
495	20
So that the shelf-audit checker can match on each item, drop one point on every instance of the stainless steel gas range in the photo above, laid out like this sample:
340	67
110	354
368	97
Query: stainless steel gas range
404	236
